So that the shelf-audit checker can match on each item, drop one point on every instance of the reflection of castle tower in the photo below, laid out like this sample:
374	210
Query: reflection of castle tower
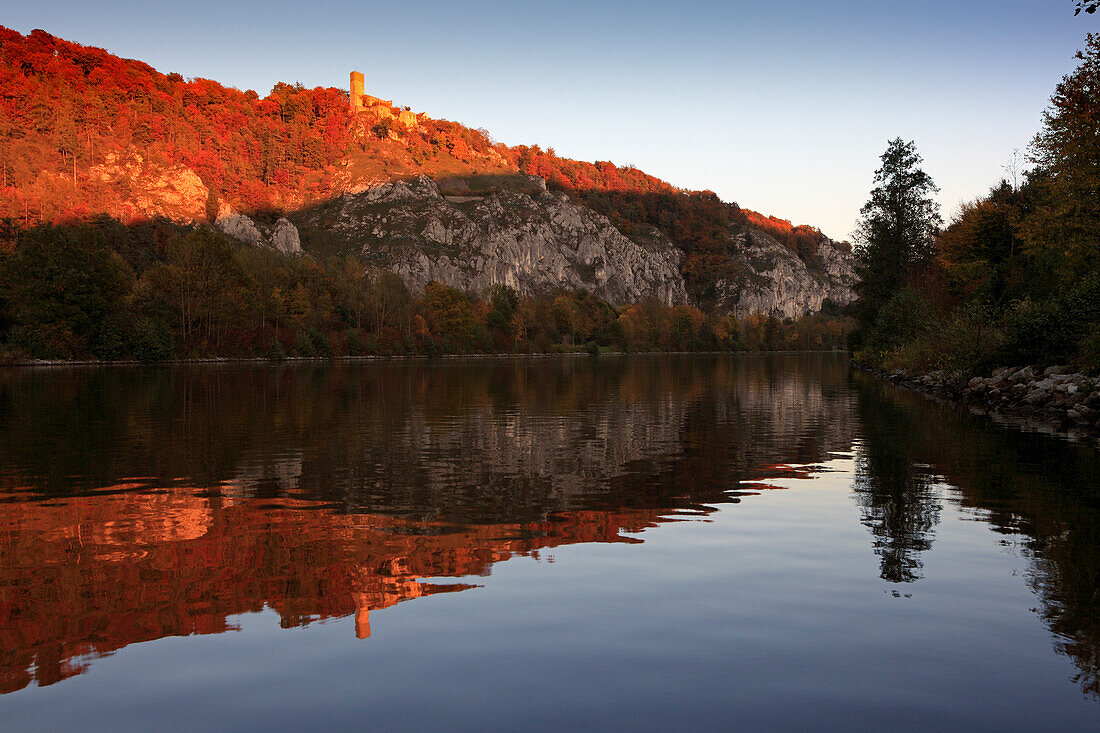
362	622
356	91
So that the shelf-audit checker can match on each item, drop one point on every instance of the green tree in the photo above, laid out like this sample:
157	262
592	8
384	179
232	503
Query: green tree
66	293
503	301
894	235
195	278
382	128
390	301
450	315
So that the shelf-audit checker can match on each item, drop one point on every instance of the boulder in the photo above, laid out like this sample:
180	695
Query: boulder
1036	398
1077	416
284	237
241	228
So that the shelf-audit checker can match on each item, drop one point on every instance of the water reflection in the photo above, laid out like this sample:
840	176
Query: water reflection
147	503
1041	494
86	576
895	490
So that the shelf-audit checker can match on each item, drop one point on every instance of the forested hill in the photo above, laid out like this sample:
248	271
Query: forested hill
84	132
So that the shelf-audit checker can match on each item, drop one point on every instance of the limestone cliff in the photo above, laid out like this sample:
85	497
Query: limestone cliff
282	236
534	241
149	189
774	281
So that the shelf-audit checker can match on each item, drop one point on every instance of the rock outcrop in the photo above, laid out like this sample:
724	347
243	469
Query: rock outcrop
532	241
1056	394
283	236
174	192
774	281
241	228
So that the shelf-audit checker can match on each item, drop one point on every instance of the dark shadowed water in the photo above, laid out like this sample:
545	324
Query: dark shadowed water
751	543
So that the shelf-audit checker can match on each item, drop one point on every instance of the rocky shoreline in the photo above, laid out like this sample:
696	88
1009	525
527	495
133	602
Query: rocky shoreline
1053	400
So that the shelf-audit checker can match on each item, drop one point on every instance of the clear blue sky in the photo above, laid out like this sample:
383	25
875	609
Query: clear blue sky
783	107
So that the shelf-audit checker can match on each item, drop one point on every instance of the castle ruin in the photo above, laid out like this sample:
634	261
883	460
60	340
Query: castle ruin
360	101
356	91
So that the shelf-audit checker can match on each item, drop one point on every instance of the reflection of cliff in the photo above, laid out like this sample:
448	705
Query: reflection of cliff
1042	490
335	490
82	578
417	439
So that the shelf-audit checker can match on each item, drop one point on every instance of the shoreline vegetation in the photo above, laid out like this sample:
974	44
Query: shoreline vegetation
1013	279
48	363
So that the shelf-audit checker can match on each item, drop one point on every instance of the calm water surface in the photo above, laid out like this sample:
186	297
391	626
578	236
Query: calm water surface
645	543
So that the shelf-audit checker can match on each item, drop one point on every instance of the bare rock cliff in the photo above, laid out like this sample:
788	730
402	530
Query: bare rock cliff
533	240
774	281
530	241
153	190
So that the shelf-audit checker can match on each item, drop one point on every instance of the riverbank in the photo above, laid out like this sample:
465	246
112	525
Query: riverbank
394	357
1054	400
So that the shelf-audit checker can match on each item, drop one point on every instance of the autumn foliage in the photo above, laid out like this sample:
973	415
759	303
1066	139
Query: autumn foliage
1014	278
64	106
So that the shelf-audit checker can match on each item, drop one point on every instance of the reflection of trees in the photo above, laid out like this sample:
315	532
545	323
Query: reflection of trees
82	578
901	512
894	491
1043	490
498	439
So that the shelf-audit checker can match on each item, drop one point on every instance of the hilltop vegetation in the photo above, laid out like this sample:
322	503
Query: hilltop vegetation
79	128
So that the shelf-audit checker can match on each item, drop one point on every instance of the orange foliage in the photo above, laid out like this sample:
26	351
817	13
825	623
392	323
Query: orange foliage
64	108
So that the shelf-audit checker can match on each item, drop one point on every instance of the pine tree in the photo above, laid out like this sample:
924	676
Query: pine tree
894	235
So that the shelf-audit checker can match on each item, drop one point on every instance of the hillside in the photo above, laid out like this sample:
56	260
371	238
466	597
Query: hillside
86	134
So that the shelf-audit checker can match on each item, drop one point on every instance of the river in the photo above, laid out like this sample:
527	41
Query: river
643	542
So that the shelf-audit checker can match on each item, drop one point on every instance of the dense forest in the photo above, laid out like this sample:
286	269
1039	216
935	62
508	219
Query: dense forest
155	291
1014	278
84	275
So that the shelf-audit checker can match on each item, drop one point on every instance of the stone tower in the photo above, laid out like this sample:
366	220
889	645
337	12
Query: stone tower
356	91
